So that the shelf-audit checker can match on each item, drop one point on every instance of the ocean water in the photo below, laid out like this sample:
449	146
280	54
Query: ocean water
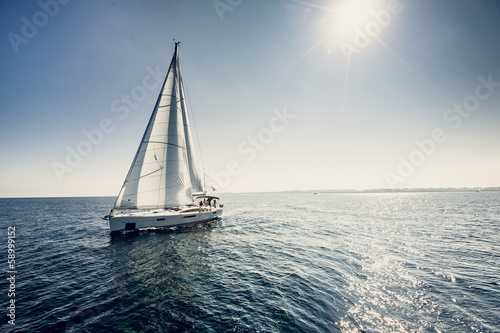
400	262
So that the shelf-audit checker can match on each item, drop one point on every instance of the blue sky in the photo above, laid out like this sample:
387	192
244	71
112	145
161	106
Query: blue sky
366	122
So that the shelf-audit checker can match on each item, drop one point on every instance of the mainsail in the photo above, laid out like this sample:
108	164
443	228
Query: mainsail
164	173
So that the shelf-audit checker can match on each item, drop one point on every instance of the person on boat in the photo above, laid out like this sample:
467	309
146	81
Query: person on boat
215	203
201	204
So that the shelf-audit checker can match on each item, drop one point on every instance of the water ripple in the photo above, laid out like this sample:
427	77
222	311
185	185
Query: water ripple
422	262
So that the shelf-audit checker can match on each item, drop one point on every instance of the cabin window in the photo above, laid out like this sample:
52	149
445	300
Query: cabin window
129	226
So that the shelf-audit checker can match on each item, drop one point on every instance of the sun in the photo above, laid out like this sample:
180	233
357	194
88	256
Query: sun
349	15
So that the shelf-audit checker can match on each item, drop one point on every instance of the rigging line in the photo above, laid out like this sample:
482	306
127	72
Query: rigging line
164	143
150	173
160	169
194	121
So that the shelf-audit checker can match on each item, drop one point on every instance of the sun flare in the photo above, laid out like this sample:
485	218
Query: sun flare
349	15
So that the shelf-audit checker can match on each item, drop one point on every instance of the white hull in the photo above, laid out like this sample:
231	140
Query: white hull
162	218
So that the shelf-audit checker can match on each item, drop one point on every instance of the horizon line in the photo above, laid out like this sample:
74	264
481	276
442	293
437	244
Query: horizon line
380	190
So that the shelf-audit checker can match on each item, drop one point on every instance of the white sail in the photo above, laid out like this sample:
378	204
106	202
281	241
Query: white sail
160	173
159	188
194	172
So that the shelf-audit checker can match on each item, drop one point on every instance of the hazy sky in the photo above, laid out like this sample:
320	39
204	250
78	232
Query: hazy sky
309	94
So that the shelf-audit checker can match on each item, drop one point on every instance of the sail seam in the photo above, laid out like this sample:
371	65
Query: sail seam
164	143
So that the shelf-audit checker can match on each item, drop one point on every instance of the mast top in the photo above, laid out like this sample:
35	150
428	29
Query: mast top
176	46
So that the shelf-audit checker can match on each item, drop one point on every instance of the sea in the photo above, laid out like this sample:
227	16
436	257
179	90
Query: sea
299	262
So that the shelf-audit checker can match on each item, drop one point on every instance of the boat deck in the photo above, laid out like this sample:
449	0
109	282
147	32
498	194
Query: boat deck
162	212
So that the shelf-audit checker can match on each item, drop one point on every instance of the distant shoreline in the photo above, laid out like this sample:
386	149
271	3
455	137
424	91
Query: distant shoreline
383	190
397	190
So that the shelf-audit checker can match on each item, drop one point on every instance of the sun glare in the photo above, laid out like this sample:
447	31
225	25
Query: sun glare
349	15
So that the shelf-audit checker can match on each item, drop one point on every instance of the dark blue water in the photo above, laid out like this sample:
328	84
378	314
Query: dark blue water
413	262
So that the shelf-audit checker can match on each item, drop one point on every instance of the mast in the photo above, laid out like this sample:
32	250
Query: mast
176	46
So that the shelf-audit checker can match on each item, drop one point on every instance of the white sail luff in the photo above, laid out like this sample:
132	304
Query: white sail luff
194	172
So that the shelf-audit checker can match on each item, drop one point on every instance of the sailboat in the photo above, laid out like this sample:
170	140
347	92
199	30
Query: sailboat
164	182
